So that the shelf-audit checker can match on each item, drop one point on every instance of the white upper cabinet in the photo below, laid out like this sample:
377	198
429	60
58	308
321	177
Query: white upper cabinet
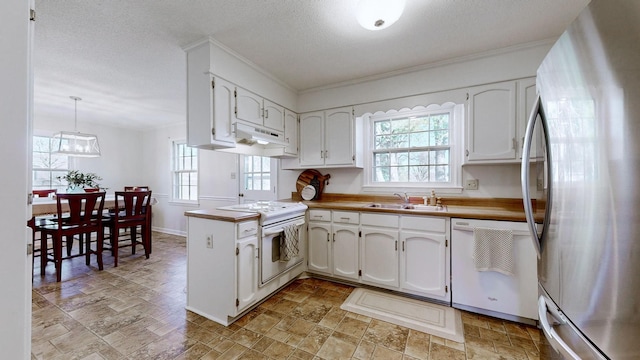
291	132
491	122
273	115
330	138
311	151
210	106
248	106
251	108
497	115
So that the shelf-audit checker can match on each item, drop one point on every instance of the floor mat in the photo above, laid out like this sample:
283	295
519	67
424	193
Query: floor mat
438	320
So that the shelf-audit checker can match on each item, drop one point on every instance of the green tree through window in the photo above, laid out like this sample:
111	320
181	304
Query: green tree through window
412	148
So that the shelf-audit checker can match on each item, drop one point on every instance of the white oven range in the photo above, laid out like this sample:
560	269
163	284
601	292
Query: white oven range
275	217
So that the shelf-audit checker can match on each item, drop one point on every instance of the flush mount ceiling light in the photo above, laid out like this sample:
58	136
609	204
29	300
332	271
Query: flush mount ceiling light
76	143
378	14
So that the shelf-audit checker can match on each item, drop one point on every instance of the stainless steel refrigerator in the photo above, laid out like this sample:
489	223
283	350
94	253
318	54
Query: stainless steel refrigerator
584	174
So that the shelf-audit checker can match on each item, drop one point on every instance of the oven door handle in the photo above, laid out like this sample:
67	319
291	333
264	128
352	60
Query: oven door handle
279	230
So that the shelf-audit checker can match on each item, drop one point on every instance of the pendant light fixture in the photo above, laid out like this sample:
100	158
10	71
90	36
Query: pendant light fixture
378	14
76	143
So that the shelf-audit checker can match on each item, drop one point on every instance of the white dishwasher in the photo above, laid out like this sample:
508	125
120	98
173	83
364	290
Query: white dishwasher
511	297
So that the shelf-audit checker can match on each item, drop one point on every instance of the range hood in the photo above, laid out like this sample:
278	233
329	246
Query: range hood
251	134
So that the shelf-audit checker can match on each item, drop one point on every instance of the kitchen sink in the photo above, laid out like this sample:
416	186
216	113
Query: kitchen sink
390	206
407	207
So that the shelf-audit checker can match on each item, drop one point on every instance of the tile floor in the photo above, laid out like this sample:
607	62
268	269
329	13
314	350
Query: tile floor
136	311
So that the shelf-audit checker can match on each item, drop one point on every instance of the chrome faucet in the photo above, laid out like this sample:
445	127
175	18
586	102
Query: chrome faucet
403	196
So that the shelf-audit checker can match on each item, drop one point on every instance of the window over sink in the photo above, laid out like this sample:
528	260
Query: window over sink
414	148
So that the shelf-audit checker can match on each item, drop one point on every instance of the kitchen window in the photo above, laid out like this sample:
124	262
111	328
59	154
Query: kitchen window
414	149
184	173
47	166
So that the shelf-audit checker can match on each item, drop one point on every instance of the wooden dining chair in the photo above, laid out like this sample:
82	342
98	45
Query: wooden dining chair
133	231
131	211
38	221
136	188
77	214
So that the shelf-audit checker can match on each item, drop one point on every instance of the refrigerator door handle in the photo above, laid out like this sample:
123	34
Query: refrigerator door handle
524	175
552	336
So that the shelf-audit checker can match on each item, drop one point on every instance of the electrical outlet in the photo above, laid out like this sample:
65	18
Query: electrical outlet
471	184
210	241
233	176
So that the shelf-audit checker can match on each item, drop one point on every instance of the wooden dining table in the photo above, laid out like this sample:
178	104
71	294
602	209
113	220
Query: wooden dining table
49	206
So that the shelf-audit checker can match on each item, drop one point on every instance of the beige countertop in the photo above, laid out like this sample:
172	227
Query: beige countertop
454	211
223	215
469	208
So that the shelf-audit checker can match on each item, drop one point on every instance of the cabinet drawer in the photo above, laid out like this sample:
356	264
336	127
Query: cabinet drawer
247	228
379	220
423	223
319	215
346	217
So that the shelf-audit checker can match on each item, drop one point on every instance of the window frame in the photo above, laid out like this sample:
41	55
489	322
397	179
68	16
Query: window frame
250	195
456	136
70	163
174	172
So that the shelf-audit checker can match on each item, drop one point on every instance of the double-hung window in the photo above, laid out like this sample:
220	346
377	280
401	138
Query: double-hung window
47	166
184	172
414	149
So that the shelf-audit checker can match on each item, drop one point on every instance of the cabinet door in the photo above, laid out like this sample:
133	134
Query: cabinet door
273	115
491	122
291	132
247	272
223	111
248	106
345	251
423	263
311	151
209	112
339	137
379	257
526	97
319	236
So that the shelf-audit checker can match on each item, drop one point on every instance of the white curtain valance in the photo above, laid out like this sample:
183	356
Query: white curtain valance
411	102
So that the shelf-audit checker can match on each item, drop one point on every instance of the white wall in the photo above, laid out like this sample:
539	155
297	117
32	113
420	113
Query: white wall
217	188
121	151
499	181
15	111
495	181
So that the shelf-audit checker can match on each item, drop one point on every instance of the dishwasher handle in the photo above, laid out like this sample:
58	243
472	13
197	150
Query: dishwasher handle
465	226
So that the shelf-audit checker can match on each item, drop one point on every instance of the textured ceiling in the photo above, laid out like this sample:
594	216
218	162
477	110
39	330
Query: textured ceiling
125	58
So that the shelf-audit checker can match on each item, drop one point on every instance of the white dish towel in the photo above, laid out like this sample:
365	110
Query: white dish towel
289	246
493	250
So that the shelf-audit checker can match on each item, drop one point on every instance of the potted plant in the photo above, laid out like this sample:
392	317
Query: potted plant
78	181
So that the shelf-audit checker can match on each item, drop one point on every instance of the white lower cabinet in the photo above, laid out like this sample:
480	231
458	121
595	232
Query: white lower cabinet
345	251
319	241
247	272
221	286
422	263
379	257
404	253
379	250
319	236
424	256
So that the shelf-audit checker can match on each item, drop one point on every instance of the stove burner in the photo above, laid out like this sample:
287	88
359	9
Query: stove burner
271	211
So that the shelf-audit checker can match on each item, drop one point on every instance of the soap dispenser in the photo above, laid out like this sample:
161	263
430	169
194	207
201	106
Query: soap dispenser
432	199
